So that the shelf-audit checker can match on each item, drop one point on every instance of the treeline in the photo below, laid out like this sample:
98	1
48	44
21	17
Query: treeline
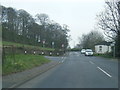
19	26
90	39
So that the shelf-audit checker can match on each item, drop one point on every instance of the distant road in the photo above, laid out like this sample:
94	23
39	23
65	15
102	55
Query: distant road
78	71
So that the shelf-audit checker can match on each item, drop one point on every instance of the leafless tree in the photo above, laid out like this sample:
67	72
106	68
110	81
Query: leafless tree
109	21
43	19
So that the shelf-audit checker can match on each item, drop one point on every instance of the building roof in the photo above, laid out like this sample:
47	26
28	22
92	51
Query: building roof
104	43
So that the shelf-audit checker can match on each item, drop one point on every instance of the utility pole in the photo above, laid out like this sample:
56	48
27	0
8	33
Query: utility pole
114	50
113	44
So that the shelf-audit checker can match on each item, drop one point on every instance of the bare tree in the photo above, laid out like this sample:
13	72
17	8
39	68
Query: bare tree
43	19
109	21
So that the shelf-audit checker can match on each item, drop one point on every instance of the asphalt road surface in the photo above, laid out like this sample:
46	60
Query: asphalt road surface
78	71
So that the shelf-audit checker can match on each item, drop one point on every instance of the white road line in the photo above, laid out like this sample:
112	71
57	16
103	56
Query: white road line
104	72
91	62
62	61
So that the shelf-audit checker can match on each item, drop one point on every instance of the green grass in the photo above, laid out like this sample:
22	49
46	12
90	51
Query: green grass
26	46
0	43
1	69
104	55
22	62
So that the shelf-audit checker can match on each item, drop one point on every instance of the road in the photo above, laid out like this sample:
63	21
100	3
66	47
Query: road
78	71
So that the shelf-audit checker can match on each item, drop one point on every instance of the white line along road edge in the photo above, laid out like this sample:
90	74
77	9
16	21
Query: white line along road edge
91	62
104	72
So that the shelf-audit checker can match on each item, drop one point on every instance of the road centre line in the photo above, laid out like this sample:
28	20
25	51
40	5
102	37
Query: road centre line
62	61
91	62
104	72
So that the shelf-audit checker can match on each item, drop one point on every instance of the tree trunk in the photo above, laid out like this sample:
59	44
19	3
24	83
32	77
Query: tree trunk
118	45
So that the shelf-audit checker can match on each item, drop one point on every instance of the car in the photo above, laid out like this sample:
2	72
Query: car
88	52
83	51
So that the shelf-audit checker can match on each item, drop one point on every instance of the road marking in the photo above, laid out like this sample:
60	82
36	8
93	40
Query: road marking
91	62
62	61
104	72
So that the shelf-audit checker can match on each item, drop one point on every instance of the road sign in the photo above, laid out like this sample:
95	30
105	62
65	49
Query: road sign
62	45
39	40
53	43
43	41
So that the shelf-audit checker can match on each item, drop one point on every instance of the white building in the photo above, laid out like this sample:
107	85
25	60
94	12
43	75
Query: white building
103	47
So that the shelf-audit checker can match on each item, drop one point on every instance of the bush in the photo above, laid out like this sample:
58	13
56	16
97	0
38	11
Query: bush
107	55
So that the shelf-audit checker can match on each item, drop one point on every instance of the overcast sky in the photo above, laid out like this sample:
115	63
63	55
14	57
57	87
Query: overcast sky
79	15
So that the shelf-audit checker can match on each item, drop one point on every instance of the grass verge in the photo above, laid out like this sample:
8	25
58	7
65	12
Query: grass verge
26	46
21	62
104	55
